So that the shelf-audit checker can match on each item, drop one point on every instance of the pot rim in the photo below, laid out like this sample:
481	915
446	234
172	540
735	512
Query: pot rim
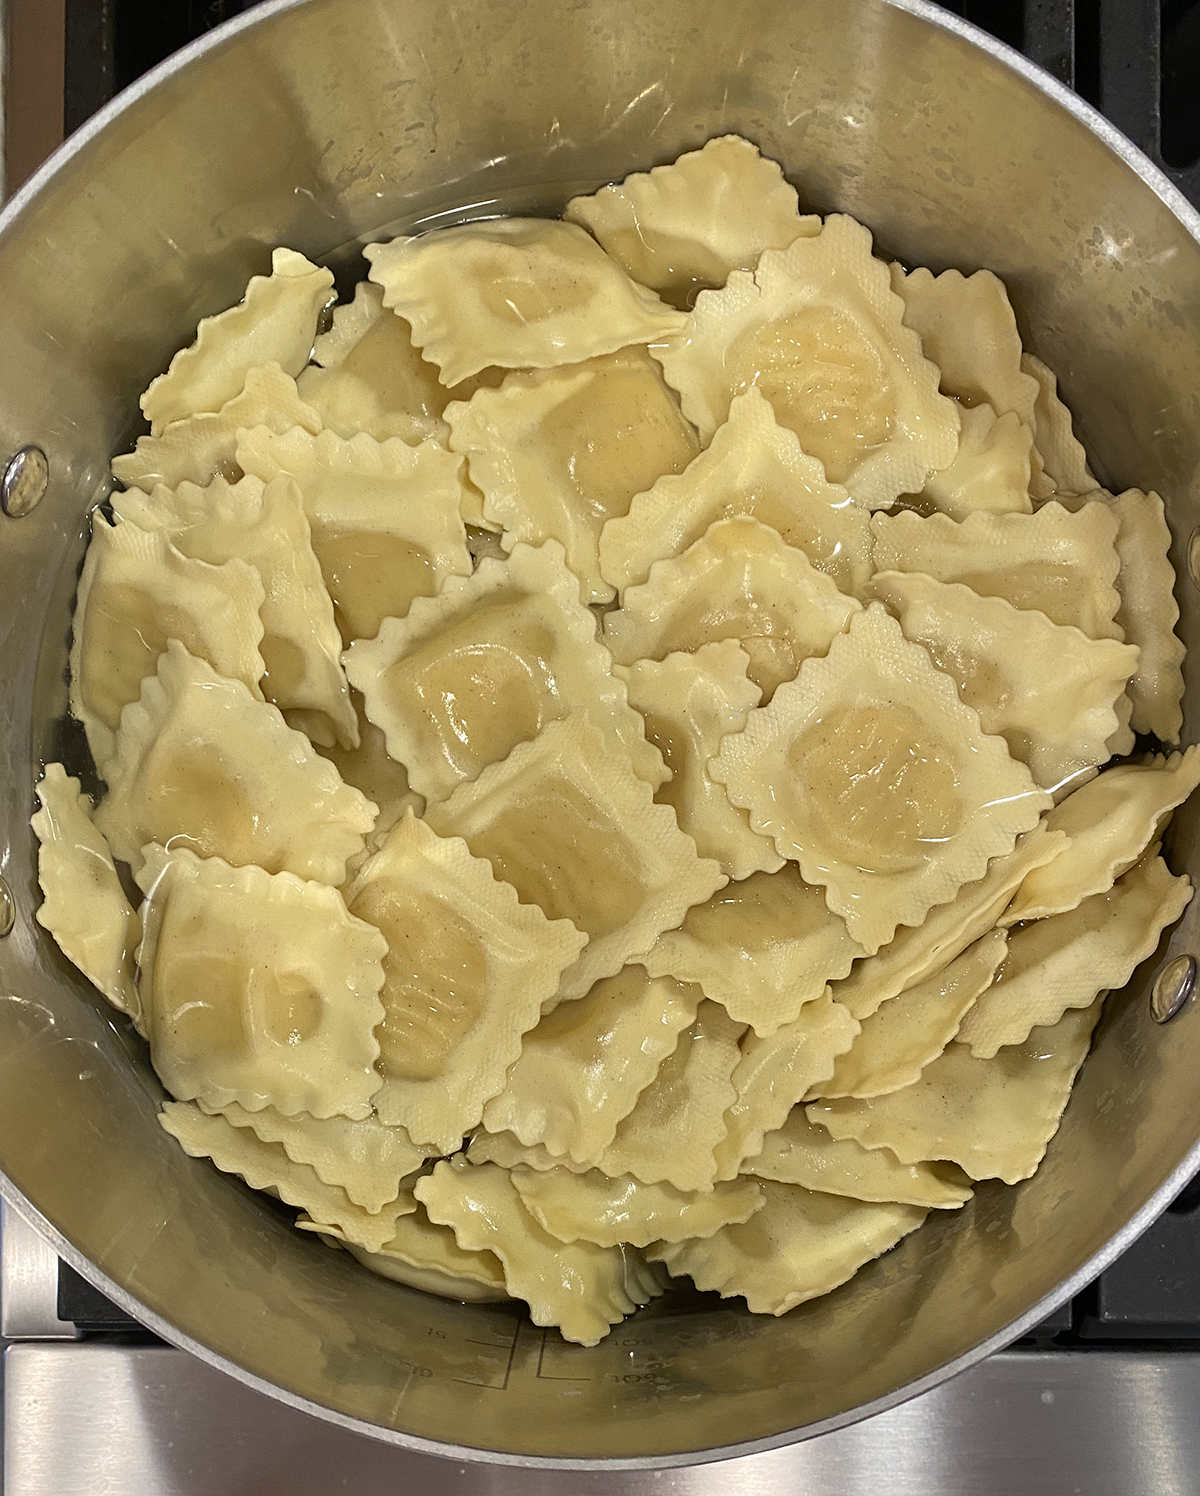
1189	217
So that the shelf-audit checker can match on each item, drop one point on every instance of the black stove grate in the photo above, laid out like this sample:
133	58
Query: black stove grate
1138	61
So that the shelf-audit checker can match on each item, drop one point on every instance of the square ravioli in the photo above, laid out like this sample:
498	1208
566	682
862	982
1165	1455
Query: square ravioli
386	518
202	447
485	665
366	375
738	581
752	466
1048	691
967	328
920	951
84	906
773	1074
1063	962
580	1287
869	772
679	1120
990	471
689	702
137	592
558	452
267	1166
264	525
798	1246
424	1256
818	328
803	1152
1110	822
275	322
908	1033
517	293
582	1069
466	972
260	989
569	824
1060	453
1061	563
199	763
993	1118
364	1157
683	227
762	947
592	1207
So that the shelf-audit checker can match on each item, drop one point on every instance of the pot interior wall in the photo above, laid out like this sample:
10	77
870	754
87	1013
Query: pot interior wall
319	126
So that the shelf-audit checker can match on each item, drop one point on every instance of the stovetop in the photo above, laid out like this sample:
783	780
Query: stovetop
1101	1398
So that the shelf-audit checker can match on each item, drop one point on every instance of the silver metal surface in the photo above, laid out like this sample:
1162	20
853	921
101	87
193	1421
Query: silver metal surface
23	482
153	1422
28	1283
1173	989
322	123
8	910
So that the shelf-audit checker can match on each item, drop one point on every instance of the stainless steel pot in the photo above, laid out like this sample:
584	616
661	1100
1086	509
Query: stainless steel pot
319	125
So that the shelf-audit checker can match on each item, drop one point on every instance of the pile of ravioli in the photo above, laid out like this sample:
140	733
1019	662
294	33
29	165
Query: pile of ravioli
607	741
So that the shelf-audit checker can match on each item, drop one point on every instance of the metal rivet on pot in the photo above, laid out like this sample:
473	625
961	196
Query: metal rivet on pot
1173	989
24	482
8	910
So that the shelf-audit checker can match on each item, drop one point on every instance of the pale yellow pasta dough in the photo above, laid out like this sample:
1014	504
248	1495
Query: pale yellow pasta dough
515	292
1062	563
683	227
1110	823
83	904
689	702
558	452
923	950
422	1255
592	1207
968	329
265	526
266	1166
910	1031
819	330
990	470
802	1152
199	763
466	972
509	1152
368	376
1061	455
679	1118
202	447
275	322
385	517
371	769
466	676
994	1118
753	466
762	947
869	771
798	1246
738	581
260	989
572	827
582	1069
1148	613
365	1158
580	1287
136	593
1048	691
773	1074
1065	961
